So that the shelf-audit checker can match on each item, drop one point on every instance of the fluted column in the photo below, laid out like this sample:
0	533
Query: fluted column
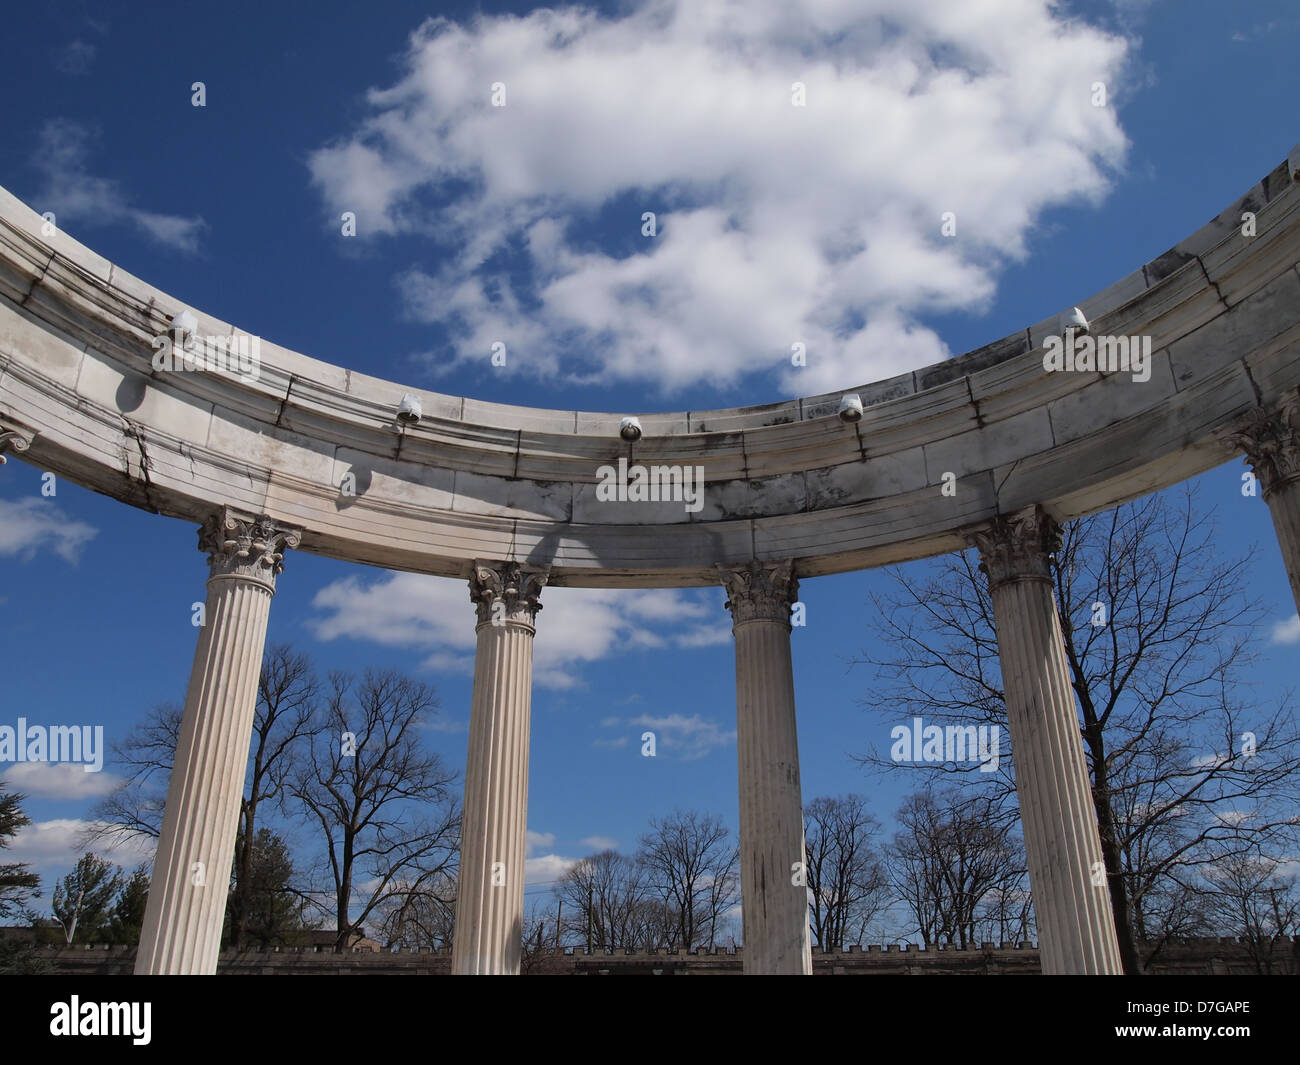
1076	926
191	871
490	893
772	857
1271	441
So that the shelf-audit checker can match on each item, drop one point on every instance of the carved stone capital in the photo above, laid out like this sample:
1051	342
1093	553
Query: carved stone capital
760	591
507	593
1271	441
12	438
1017	546
240	546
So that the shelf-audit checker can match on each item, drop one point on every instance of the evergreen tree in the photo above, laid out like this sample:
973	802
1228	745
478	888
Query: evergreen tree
83	901
128	910
17	883
272	914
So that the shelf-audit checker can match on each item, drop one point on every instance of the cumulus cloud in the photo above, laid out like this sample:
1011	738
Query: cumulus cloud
546	868
578	625
76	196
600	843
59	780
28	525
533	840
57	844
775	223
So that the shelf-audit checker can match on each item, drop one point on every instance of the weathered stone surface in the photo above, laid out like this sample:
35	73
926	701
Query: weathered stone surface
490	884
1075	924
187	894
774	895
75	336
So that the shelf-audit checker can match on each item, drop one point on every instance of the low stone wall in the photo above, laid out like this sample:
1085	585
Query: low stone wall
1191	957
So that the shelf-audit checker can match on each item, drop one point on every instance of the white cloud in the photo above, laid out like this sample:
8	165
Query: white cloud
59	780
28	525
776	223
546	869
690	736
75	196
1287	631
57	844
600	843
576	626
533	840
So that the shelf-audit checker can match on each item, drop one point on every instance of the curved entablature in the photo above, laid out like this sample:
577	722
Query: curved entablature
938	451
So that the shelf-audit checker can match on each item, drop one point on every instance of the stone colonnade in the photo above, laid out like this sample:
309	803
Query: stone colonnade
186	907
191	872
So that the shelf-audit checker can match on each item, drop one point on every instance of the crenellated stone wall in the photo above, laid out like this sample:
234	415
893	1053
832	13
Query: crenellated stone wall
1190	957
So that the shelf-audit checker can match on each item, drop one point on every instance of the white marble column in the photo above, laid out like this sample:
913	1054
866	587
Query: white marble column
772	856
490	893
1271	440
1076	927
191	872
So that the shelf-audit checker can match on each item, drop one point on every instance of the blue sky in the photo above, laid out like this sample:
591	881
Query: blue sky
774	227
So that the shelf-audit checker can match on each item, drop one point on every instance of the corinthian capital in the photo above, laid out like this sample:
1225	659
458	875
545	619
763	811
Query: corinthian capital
506	592
760	591
1017	546
240	546
13	438
1271	440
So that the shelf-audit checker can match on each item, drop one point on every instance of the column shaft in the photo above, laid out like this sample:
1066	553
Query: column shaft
191	874
490	895
1076	926
1271	440
772	854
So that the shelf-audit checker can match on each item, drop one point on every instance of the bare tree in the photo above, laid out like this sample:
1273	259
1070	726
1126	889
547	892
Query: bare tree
1251	898
383	806
287	694
419	915
1158	636
955	866
606	899
146	754
847	885
691	866
287	699
542	935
